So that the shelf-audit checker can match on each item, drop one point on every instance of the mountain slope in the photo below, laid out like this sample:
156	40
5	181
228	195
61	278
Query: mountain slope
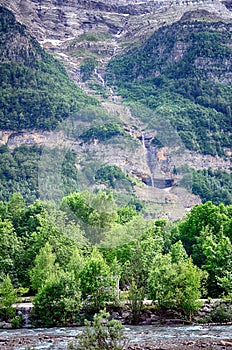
36	90
165	100
183	72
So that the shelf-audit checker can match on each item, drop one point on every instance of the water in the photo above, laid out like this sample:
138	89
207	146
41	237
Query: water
151	333
99	77
149	159
58	338
143	140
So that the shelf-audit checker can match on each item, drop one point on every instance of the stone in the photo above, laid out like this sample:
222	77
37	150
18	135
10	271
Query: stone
226	343
6	325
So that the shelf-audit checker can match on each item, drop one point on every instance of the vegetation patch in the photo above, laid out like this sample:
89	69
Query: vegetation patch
102	132
211	185
112	176
36	91
182	73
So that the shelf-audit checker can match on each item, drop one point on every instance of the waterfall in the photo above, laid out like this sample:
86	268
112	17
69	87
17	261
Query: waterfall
112	94
102	81
99	77
150	163
115	50
143	140
149	157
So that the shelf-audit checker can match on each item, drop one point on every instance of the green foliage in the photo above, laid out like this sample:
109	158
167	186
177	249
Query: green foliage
126	214
178	253
104	335
20	168
215	186
175	281
76	264
102	132
58	301
19	172
96	213
17	321
36	90
44	268
7	298
44	248
221	313
33	226
136	297
180	73
87	67
94	115
112	176
10	250
206	235
135	255
210	185
98	285
204	217
218	263
91	36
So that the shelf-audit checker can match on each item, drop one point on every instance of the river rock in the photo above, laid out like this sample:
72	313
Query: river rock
6	325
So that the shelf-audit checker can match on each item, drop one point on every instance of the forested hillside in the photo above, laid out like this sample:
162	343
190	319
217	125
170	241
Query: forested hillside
183	72
212	185
36	91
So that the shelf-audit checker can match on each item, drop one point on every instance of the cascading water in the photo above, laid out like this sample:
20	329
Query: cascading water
158	169
99	77
150	166
24	310
149	158
103	82
143	140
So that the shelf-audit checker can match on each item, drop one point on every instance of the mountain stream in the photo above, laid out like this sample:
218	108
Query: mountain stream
59	338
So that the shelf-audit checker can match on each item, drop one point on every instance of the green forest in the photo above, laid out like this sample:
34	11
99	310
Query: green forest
181	73
20	167
70	257
212	185
36	92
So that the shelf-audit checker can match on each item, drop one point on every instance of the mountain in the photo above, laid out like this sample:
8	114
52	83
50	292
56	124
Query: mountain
156	119
183	72
36	90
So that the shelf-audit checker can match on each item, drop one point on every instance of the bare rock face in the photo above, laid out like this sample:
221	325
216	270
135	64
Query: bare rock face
61	25
78	29
64	20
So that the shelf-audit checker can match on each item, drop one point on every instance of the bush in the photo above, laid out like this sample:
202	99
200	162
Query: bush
175	283
221	313
8	298
104	335
17	321
58	301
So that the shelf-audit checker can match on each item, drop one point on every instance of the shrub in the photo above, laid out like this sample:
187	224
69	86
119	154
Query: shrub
8	298
104	335
221	313
58	301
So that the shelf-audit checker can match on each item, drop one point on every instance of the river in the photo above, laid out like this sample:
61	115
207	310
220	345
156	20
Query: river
58	338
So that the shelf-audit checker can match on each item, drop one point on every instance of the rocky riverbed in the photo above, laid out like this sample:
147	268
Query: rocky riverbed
141	338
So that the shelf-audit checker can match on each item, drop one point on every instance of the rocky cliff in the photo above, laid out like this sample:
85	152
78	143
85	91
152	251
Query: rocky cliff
64	26
74	31
57	22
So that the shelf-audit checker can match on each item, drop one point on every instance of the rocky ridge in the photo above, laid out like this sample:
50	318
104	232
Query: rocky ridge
57	23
